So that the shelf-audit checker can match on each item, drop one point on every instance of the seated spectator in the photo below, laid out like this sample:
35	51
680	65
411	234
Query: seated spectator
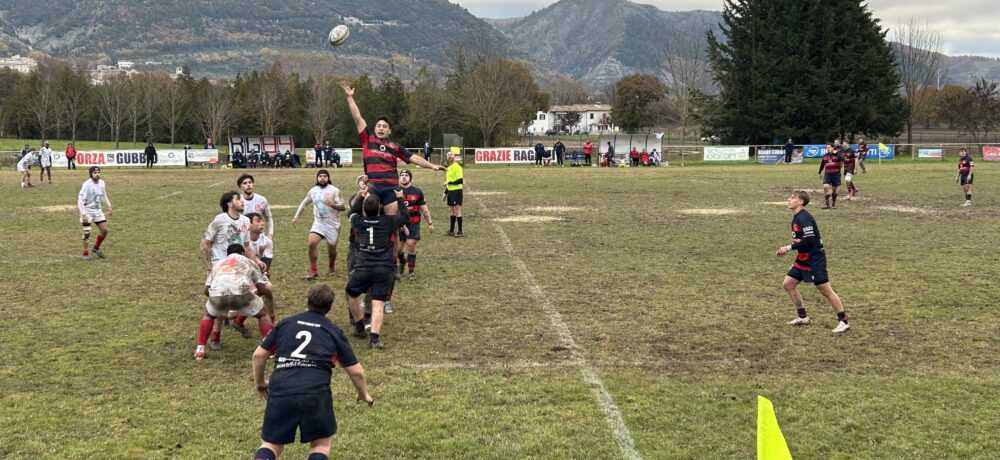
296	163
546	157
253	158
633	157
654	158
644	158
286	159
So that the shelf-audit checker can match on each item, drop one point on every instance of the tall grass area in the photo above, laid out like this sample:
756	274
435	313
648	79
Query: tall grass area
665	278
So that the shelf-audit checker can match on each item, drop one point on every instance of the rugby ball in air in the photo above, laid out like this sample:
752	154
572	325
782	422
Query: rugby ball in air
339	34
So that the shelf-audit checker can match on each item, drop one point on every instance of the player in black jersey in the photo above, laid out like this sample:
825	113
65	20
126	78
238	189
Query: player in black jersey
965	177
416	208
307	346
810	264
374	233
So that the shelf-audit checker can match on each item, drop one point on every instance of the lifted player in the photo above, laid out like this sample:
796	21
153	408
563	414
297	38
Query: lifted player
416	205
327	204
92	194
810	264
964	178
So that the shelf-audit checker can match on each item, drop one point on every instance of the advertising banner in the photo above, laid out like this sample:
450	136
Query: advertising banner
875	151
270	145
119	158
727	153
929	153
991	153
202	155
505	155
777	156
813	150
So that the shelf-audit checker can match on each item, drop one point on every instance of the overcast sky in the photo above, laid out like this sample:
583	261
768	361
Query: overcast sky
967	26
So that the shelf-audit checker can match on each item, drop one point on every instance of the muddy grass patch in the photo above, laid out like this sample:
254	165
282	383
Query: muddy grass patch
711	211
557	209
57	208
528	219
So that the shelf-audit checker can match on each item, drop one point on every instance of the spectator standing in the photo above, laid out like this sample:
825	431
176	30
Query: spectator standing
789	150
428	150
609	156
539	153
588	149
318	149
70	156
150	155
560	149
328	153
45	162
209	144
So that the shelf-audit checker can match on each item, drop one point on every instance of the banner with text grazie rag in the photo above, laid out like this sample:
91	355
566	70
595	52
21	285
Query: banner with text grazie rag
505	155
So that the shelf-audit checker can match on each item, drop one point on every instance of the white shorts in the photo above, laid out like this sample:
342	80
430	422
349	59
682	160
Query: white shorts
329	232
95	217
248	304
849	177
21	170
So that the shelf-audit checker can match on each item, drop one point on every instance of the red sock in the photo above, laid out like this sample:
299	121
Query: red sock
411	261
274	319
215	335
312	268
100	239
240	319
204	330
86	252
264	329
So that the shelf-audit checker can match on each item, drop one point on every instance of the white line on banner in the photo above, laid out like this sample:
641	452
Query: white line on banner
612	415
169	195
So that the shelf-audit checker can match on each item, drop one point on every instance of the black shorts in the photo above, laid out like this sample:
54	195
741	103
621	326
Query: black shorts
816	274
312	414
414	232
965	179
832	179
379	279
455	197
386	193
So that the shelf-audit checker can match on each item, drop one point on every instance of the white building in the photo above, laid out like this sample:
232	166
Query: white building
594	118
18	63
126	65
103	73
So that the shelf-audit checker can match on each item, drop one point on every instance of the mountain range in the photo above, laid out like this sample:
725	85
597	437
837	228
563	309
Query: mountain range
592	41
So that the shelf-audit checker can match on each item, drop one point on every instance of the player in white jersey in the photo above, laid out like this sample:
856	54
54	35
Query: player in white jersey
92	194
45	161
263	249
327	203
233	283
24	167
255	202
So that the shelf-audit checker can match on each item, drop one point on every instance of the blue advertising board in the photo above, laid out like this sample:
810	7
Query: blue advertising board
888	153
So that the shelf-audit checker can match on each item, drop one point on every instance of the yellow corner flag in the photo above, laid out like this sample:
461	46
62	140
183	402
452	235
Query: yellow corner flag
882	146
770	442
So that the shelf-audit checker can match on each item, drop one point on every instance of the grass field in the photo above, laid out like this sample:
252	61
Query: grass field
661	282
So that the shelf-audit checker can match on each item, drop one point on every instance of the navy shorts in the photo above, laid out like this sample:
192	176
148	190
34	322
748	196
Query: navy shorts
414	232
379	279
832	179
312	414
386	193
455	197
815	275
966	180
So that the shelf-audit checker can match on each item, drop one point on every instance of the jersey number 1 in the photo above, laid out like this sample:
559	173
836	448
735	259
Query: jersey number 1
305	337
371	235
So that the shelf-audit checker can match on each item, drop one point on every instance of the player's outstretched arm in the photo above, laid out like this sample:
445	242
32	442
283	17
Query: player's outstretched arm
302	207
357	375
355	111
420	161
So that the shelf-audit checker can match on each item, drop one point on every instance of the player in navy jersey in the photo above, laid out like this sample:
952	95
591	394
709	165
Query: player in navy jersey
380	155
829	169
416	207
810	263
850	161
374	232
964	178
307	346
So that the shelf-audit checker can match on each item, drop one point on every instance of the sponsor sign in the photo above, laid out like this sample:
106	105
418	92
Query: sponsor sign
814	150
120	158
991	153
777	156
270	145
928	153
202	155
874	153
505	155
728	153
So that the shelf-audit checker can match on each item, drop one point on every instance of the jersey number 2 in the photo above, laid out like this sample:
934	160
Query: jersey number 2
305	337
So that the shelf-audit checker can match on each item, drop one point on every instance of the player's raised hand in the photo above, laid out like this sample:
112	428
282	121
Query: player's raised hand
367	399
348	91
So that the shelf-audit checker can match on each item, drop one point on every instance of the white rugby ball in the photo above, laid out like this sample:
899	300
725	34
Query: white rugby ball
339	34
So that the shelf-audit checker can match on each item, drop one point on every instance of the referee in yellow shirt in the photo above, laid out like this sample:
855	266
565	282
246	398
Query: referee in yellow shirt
453	193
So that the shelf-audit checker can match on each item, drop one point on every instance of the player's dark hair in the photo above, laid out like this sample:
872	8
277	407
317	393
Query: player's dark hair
371	205
234	249
320	299
802	195
239	182
407	172
320	173
386	120
90	172
226	199
254	215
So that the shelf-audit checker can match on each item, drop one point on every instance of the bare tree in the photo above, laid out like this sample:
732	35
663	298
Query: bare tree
976	111
42	97
215	108
74	98
269	98
497	96
684	65
113	105
174	106
319	112
428	108
920	66
566	91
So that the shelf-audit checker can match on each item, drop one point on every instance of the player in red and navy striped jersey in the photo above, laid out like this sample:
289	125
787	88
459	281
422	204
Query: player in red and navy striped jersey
810	264
850	161
829	169
862	154
965	178
380	156
416	206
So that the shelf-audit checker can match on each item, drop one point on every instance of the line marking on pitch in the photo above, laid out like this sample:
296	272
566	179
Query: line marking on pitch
169	195
612	415
217	183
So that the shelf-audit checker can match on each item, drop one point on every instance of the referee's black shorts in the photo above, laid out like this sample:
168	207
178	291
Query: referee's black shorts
312	414
455	197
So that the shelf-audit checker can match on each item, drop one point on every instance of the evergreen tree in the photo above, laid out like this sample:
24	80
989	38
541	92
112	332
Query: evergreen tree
806	69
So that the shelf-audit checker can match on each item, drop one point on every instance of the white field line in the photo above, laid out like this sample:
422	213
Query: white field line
217	183
612	415
169	195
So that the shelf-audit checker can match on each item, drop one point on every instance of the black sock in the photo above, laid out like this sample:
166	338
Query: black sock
264	454
411	261
452	224
802	313
459	224
968	197
826	199
360	325
834	200
317	456
842	316
373	337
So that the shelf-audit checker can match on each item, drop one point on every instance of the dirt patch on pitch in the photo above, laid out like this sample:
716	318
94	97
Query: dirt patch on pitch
528	219
57	208
711	212
487	193
905	209
555	209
